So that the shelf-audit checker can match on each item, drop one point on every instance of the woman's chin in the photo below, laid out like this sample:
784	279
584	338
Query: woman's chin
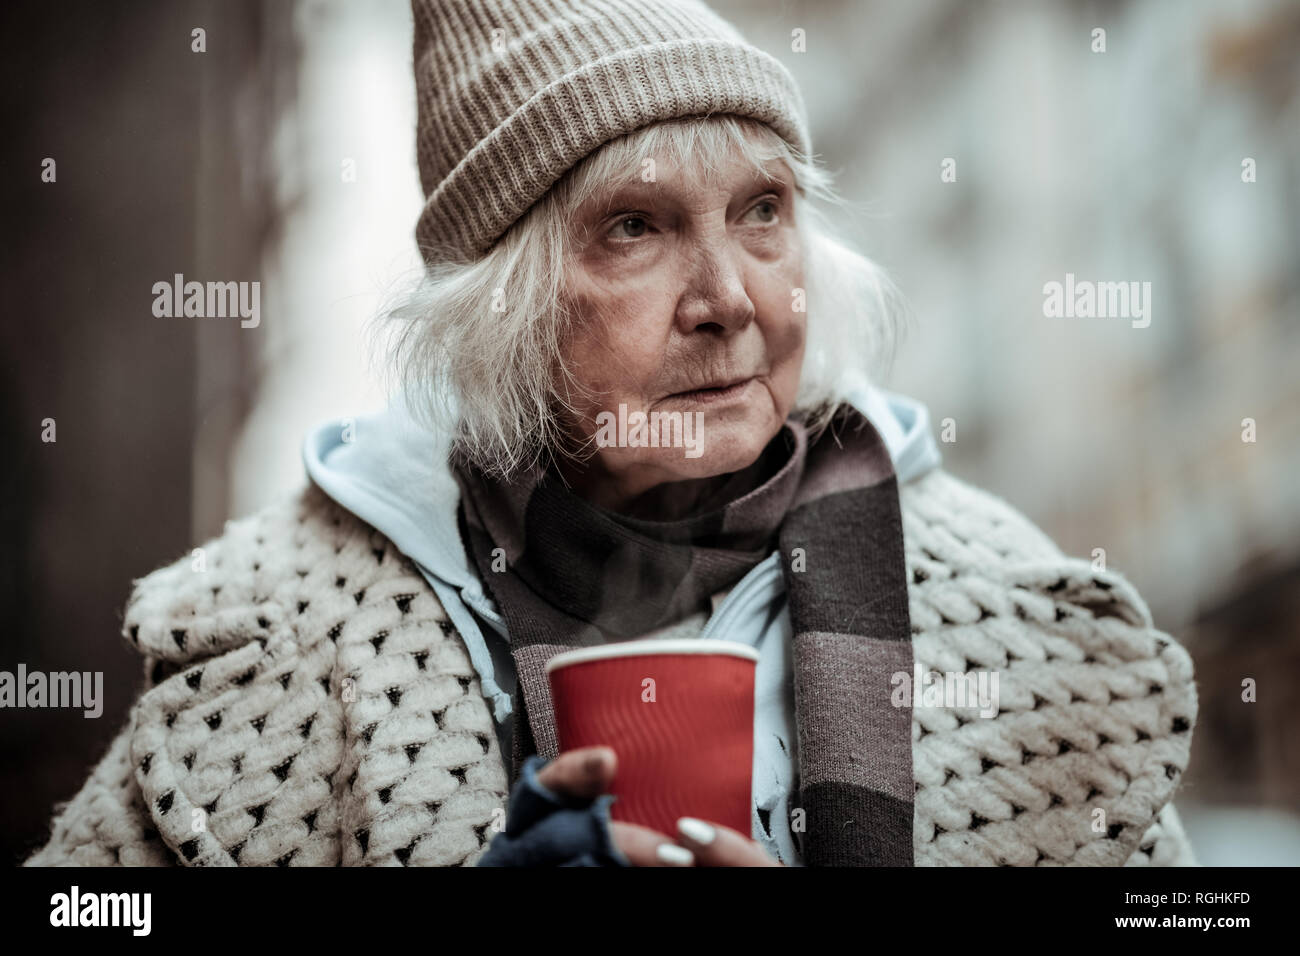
721	451
714	443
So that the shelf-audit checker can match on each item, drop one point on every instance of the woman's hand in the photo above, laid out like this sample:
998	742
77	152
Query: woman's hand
585	774
588	772
712	844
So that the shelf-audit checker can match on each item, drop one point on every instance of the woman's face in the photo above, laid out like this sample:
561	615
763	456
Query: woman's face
683	286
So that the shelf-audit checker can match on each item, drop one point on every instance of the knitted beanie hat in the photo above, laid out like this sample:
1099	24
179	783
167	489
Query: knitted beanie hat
513	93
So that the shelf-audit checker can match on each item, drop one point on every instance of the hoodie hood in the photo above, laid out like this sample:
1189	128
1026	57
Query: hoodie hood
392	473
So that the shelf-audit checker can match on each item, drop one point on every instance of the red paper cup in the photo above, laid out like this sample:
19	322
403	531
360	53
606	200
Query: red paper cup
680	715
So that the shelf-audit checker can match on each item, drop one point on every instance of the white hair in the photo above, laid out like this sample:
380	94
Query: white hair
477	348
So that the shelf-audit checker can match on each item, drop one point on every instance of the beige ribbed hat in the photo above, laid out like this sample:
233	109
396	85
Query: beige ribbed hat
511	94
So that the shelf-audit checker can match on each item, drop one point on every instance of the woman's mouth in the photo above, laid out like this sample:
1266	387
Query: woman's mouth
712	396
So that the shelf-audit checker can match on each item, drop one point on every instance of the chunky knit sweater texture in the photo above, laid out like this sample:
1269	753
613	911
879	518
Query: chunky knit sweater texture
306	702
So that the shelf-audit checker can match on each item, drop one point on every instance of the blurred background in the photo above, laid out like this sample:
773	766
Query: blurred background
284	153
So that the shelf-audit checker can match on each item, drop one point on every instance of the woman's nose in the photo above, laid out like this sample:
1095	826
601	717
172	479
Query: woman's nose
715	291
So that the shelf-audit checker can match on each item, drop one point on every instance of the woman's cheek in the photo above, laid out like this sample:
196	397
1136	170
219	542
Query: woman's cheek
788	328
789	361
615	362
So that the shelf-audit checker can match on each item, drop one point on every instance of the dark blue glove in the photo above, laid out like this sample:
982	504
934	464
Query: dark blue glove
545	828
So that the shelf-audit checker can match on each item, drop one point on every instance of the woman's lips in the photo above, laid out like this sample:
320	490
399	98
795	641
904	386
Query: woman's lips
712	396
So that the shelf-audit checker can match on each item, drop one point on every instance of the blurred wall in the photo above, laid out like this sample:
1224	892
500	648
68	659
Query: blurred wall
111	94
1114	166
343	195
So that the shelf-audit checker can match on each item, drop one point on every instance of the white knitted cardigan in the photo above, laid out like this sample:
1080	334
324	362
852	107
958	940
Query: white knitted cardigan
307	703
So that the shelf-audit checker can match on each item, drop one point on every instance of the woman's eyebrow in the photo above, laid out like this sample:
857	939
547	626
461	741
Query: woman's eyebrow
778	174
622	192
772	176
632	190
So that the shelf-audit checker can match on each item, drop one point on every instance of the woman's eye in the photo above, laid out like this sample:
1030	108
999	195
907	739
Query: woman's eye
629	227
637	226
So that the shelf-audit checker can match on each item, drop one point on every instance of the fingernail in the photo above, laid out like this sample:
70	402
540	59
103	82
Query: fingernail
674	855
696	830
595	761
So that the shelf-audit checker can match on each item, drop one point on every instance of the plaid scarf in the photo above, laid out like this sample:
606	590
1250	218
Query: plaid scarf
567	574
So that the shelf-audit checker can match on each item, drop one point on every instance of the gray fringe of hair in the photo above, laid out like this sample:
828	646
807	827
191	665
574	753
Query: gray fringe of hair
477	348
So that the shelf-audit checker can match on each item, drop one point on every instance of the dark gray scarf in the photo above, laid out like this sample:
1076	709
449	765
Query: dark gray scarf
576	575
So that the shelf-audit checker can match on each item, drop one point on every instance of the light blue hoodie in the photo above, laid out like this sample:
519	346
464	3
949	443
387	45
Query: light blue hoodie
392	473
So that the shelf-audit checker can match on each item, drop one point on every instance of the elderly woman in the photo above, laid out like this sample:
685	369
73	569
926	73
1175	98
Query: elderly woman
637	402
